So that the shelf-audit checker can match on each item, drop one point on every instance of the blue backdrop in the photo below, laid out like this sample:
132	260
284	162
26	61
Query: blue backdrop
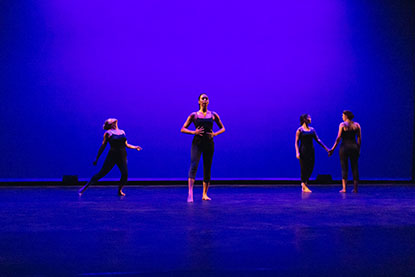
66	66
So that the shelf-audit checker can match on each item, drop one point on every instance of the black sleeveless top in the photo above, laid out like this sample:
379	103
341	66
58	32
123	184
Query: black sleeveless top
117	142
349	136
206	123
306	139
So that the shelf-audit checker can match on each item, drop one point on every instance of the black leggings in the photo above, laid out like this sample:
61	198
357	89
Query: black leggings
206	146
307	166
349	152
113	158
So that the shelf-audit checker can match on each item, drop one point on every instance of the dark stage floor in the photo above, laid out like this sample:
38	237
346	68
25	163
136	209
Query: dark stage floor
243	231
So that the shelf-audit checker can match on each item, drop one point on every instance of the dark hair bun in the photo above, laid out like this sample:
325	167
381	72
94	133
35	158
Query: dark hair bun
348	114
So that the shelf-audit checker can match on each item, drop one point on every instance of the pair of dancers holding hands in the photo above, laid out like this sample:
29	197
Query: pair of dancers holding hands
349	134
203	144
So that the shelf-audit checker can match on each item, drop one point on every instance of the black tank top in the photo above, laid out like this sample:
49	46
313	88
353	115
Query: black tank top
306	139
117	142
206	123
349	136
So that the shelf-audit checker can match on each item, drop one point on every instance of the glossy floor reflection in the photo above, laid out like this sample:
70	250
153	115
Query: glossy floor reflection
243	231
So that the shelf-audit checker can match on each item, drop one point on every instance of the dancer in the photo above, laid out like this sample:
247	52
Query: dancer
351	135
117	155
304	149
202	143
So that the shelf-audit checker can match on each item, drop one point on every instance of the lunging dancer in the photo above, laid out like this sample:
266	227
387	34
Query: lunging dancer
117	155
202	143
304	149
351	135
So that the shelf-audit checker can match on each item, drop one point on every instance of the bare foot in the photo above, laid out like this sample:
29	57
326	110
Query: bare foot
305	188
82	190
207	198
343	191
190	198
120	193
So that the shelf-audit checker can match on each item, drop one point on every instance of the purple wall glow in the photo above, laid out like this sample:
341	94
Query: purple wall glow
69	65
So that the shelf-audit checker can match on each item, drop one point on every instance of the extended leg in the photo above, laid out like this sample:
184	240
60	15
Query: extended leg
106	167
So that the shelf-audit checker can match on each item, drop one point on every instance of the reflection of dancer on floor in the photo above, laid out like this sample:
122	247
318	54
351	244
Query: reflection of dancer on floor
351	135
304	149
117	154
202	143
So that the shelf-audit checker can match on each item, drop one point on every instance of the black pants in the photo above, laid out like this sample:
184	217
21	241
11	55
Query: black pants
349	152
113	158
206	146
307	166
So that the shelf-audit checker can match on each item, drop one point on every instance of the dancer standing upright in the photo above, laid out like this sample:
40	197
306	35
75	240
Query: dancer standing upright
304	149
351	135
202	143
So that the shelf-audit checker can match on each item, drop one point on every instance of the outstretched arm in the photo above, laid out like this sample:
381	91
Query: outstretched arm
297	140
320	142
220	125
101	148
138	148
199	131
336	142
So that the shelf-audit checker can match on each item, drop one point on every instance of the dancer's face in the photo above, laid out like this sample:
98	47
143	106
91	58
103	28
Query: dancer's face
203	100
344	117
309	119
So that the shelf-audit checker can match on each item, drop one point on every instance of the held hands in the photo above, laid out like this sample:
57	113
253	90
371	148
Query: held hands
297	155
199	131
138	148
331	152
327	150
